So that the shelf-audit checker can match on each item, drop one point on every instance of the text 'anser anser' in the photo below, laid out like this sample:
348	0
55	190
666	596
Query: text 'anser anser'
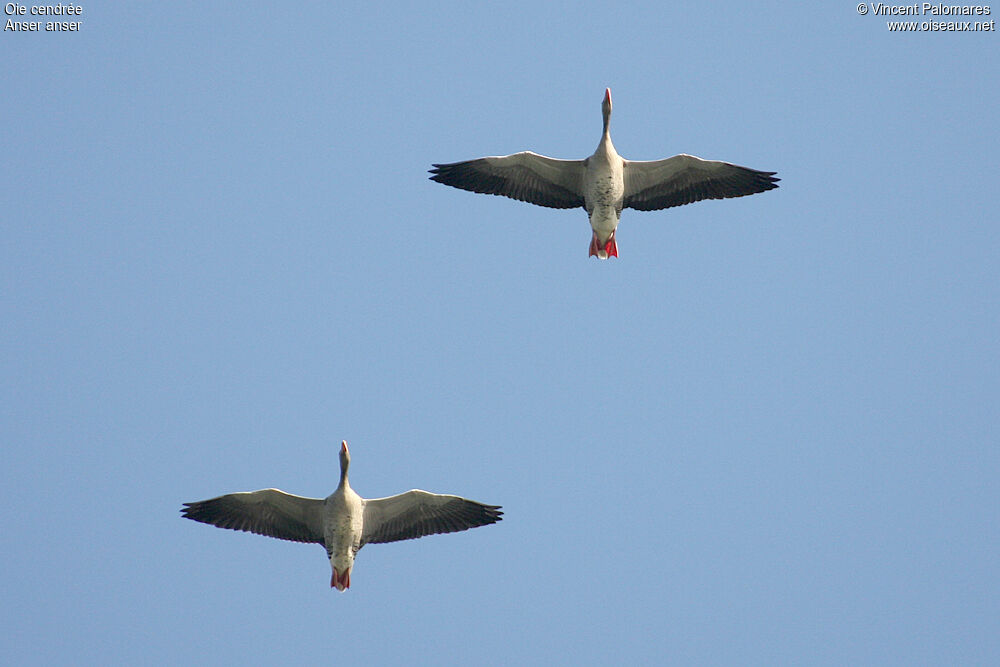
604	183
344	521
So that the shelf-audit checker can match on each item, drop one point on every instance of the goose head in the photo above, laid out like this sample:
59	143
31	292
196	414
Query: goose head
345	461
606	108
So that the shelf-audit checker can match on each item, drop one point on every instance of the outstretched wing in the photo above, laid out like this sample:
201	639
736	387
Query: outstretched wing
266	512
417	513
683	179
524	176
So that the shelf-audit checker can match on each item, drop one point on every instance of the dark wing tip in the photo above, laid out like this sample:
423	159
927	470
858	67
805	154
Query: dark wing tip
753	182
484	515
201	511
766	179
215	513
762	176
447	174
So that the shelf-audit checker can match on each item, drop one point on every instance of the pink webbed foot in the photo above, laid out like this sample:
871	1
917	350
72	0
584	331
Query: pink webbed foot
341	581
609	248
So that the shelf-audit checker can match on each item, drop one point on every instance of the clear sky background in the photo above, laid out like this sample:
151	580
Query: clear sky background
766	434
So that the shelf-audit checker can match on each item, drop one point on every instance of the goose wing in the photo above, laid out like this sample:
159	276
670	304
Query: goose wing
416	513
683	179
524	176
266	512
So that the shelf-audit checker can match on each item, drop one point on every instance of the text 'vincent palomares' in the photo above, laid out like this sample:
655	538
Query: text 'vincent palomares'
929	8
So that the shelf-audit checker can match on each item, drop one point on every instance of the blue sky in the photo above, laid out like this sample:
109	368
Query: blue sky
766	434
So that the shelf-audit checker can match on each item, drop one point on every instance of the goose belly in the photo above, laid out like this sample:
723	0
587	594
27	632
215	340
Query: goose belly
603	200
604	220
343	543
343	533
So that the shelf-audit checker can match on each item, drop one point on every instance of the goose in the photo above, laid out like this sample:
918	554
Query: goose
343	522
604	183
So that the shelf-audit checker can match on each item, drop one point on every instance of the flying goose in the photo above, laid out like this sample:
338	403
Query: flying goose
604	183
344	521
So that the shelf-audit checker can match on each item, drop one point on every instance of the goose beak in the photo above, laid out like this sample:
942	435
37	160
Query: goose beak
607	95
343	446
